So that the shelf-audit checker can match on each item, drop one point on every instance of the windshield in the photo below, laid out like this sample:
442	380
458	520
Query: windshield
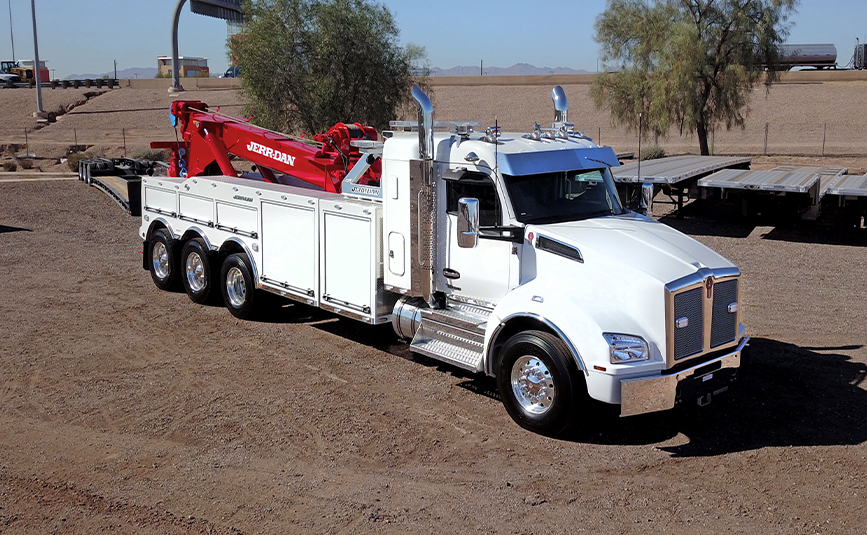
563	196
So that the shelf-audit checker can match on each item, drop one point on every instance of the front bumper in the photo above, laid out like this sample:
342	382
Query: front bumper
658	393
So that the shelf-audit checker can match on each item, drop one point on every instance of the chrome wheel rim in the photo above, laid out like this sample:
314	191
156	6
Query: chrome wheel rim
195	272
532	385
236	288
160	259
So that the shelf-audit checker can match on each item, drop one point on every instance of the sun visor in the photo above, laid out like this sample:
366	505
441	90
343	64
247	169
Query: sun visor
533	163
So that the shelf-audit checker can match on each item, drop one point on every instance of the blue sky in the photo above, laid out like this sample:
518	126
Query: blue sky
87	36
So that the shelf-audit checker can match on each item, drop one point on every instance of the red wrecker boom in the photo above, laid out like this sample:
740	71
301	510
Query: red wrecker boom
209	138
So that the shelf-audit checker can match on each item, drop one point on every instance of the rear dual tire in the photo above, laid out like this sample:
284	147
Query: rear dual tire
237	285
163	265
197	263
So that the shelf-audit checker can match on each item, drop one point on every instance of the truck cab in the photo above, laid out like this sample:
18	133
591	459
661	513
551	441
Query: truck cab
538	271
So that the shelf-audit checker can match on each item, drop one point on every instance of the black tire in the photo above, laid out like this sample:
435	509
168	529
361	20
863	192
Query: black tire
237	286
196	268
161	261
549	406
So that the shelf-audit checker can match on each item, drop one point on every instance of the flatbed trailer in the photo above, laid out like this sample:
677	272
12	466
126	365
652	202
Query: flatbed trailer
119	178
804	187
673	174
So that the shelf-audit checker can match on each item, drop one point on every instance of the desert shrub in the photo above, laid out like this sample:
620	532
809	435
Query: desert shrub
652	152
26	164
73	159
157	155
11	150
10	166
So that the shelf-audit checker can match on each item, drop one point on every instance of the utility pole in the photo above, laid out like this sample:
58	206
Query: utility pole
37	67
482	68
11	35
115	69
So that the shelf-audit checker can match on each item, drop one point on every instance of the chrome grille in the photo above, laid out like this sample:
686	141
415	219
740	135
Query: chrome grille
689	340
724	324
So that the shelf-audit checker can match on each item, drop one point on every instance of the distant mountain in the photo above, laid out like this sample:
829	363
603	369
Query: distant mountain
518	69
133	72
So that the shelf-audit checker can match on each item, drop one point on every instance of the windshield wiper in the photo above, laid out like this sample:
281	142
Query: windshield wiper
606	164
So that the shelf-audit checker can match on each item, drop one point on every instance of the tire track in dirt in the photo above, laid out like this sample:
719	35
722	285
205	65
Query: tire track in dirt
63	505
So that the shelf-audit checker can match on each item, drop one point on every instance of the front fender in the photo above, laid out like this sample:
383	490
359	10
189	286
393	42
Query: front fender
579	322
560	312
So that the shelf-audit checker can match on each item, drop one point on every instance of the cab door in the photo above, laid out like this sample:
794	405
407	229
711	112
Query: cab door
481	272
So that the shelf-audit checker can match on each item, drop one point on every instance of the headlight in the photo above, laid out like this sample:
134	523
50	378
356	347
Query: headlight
626	348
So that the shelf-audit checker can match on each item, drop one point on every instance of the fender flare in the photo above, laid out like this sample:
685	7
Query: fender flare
494	338
235	243
552	309
200	234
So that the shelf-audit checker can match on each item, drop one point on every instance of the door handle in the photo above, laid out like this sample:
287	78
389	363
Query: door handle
451	274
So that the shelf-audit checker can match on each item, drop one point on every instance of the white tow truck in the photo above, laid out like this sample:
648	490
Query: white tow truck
508	254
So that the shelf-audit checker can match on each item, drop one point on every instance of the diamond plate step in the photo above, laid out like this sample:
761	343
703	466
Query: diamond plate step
455	335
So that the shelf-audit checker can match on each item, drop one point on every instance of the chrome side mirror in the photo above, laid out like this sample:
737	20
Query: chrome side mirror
468	222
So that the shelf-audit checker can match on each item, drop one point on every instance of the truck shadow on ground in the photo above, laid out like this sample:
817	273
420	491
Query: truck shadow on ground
785	396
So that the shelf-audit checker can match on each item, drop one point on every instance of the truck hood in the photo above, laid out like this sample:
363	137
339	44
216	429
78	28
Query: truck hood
633	241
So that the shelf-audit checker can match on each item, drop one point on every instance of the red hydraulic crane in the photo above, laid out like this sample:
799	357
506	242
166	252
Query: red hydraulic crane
209	138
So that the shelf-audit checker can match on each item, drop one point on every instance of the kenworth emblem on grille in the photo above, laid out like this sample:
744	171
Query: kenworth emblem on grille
708	283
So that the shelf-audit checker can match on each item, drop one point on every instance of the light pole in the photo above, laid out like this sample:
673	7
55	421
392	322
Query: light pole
37	67
176	72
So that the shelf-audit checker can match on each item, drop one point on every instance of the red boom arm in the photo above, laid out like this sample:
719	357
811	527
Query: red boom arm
209	138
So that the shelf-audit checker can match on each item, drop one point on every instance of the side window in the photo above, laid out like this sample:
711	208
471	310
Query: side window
479	187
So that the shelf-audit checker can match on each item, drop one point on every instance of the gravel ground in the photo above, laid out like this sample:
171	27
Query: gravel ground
129	410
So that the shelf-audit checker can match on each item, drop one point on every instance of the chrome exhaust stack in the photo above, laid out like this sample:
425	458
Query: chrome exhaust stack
425	124
561	107
423	205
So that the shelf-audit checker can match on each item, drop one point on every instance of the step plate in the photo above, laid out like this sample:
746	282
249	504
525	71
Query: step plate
457	318
456	355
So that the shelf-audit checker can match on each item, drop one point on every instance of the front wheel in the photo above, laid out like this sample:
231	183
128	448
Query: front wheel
237	285
539	383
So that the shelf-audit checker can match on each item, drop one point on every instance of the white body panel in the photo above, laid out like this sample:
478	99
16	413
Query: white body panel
350	259
290	256
319	248
396	221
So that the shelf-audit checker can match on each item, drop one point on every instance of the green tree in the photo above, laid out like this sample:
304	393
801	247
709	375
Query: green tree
687	63
308	64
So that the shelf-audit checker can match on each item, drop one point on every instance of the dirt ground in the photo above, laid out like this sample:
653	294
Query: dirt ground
125	409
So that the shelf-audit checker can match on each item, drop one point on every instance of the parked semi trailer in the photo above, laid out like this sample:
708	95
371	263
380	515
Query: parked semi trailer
820	56
508	254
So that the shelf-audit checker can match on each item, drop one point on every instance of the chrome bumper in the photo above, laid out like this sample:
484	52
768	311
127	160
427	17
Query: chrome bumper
659	393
